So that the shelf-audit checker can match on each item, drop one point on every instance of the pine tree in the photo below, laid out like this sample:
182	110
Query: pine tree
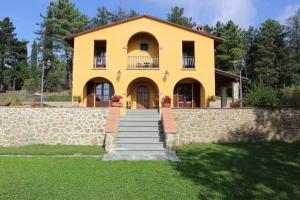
293	38
13	57
62	19
232	48
103	17
267	53
177	16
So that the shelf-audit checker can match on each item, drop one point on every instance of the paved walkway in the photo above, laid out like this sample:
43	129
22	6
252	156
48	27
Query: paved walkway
140	156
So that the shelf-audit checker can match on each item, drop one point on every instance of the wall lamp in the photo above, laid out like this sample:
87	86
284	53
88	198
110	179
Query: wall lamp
119	73
166	73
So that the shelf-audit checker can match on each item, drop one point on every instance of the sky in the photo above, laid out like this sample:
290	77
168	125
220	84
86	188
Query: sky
25	14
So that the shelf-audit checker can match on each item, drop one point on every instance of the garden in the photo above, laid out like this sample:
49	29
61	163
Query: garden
205	171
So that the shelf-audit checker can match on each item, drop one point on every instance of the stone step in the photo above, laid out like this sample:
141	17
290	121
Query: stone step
134	140
138	123
139	129
138	134
141	146
142	111
139	119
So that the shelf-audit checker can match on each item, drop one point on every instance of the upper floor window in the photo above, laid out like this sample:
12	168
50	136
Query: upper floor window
188	55
100	54
144	47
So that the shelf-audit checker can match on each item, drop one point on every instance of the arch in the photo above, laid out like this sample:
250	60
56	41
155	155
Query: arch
143	51
188	93
132	93
97	92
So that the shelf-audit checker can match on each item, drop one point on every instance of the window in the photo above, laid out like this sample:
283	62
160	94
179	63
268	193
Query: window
144	47
100	54
188	53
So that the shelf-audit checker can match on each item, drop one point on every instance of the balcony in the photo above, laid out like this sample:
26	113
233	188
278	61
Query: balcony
100	62
143	62
188	62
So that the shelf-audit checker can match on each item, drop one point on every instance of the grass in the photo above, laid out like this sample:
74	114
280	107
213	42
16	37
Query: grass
235	171
51	150
18	97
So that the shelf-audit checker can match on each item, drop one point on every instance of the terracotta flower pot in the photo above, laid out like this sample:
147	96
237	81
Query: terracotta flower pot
116	104
75	104
166	105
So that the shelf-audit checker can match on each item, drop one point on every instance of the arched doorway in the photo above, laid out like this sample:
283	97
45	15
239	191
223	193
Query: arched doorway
142	93
99	92
188	93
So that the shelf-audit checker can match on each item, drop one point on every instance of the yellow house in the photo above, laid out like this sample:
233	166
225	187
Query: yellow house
143	59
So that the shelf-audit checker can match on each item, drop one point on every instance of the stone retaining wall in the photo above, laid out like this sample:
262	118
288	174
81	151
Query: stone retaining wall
76	126
234	125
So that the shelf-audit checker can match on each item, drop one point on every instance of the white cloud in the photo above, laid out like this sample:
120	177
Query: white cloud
288	11
241	11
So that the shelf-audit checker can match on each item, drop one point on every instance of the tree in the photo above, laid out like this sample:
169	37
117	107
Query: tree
267	54
62	19
177	16
293	37
13	57
103	17
232	48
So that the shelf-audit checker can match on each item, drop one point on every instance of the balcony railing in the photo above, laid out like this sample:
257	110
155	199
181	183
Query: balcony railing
188	62
143	62
100	61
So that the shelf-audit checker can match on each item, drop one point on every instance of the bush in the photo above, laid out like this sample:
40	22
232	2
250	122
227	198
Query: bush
260	95
212	98
290	96
31	85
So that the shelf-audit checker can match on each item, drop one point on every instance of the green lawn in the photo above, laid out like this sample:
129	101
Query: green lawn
51	150
236	171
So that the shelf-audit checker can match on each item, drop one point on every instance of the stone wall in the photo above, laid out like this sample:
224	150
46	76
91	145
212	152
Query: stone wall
76	126
235	125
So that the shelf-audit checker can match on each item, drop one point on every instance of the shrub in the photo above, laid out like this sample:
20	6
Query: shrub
31	85
290	96
77	98
212	98
260	95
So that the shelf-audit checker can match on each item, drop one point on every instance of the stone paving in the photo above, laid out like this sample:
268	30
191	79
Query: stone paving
140	156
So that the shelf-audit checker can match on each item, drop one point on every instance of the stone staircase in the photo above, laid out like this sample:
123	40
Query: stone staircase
140	137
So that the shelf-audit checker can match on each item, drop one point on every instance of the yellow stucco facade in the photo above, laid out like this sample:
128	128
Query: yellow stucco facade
164	42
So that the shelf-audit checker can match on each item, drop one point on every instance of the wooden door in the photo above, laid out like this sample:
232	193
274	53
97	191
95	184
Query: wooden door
90	94
103	93
142	97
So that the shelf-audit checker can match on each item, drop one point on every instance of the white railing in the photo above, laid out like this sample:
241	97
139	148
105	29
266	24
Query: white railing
188	62
138	62
100	61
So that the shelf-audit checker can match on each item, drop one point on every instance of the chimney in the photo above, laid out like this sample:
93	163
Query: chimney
200	28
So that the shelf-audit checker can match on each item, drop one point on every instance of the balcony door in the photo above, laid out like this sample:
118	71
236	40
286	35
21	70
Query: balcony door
143	97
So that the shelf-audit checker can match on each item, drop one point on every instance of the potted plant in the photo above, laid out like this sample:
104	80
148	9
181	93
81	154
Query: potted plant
116	100
76	101
211	99
166	102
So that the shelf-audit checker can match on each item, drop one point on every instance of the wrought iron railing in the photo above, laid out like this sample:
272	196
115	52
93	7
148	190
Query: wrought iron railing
142	62
100	61
188	62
